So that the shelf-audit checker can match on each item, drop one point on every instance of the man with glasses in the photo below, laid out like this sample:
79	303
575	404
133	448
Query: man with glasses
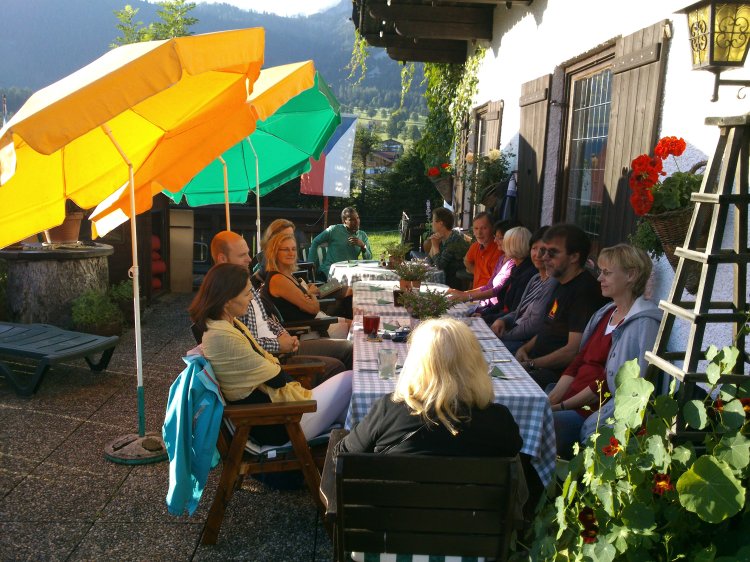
484	253
230	247
345	242
571	305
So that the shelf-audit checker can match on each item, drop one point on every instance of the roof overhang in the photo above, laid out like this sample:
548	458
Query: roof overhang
427	30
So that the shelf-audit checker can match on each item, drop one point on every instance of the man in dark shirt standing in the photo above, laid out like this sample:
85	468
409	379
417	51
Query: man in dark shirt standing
571	305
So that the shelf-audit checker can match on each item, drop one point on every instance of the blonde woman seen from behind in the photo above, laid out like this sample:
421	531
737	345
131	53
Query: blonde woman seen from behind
443	403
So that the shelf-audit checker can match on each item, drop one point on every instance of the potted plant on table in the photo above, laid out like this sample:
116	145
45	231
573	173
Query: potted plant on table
95	313
396	253
411	274
633	493
664	206
426	304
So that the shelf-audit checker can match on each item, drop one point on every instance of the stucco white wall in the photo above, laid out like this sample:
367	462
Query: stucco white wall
531	41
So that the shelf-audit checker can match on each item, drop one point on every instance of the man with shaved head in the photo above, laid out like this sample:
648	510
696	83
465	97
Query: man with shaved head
230	247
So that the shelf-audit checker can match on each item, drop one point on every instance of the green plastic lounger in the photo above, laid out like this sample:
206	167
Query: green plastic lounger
48	345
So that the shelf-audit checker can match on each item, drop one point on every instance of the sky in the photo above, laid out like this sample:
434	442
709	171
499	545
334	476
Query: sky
279	7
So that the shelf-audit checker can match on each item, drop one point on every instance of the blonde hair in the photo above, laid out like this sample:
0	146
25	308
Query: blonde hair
272	251
444	373
275	228
517	243
630	258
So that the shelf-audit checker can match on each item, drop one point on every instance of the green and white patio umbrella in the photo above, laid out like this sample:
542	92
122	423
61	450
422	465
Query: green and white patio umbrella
277	151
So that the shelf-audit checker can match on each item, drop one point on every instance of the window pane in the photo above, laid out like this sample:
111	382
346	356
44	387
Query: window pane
591	101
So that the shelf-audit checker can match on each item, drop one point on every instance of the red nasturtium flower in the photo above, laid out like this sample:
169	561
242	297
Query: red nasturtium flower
434	171
613	448
746	406
669	146
445	165
590	528
662	483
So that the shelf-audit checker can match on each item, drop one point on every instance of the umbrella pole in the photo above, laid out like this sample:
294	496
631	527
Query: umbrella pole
142	448
226	192
257	191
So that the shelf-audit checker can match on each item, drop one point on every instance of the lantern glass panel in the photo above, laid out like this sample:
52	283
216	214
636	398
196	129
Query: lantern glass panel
731	28
699	20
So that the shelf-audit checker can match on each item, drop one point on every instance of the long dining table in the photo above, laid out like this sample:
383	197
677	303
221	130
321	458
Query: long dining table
349	272
513	386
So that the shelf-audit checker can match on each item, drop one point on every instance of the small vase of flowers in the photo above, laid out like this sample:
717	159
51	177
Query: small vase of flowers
411	273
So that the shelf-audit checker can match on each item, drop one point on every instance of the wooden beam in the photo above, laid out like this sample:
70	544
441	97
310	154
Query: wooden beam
446	14
460	31
393	40
453	56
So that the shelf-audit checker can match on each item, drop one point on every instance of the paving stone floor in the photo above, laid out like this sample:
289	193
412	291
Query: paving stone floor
61	500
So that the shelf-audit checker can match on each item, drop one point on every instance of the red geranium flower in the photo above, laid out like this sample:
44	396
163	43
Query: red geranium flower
669	146
662	483
433	171
642	200
613	448
445	165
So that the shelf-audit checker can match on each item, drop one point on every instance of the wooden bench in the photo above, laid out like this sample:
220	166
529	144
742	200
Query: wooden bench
48	345
429	505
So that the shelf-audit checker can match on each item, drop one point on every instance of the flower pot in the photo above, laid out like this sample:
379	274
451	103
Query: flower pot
444	186
68	231
404	285
416	285
671	229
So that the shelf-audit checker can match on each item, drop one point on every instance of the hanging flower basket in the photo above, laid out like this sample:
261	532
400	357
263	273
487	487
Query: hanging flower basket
671	228
444	185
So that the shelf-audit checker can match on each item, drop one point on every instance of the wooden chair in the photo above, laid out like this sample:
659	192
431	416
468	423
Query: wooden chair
420	504
237	462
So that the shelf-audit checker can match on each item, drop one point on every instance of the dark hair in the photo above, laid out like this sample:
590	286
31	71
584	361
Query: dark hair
222	283
576	240
348	211
538	235
443	215
505	225
483	215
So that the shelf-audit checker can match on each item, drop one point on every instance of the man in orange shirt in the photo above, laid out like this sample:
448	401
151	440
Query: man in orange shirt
484	253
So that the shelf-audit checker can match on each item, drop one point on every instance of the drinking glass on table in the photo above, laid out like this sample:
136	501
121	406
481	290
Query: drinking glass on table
370	325
387	358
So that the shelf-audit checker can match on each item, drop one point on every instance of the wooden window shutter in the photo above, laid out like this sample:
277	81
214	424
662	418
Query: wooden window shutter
638	71
494	121
534	104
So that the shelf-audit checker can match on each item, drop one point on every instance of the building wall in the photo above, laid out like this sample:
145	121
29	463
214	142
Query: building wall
529	42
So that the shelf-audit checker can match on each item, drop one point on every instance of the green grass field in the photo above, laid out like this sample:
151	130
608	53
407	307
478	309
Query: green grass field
378	240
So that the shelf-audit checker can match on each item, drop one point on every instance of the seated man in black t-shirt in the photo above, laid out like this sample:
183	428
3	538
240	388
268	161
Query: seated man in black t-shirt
571	305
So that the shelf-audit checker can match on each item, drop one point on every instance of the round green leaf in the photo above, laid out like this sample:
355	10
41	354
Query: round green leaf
631	399
710	490
665	406
733	414
655	448
713	373
734	450
600	551
638	516
682	455
695	414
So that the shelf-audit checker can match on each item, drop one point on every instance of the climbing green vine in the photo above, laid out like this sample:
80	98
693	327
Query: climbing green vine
358	59
407	76
450	90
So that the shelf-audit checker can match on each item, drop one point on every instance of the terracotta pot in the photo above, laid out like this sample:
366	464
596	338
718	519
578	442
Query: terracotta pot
416	284
404	285
68	231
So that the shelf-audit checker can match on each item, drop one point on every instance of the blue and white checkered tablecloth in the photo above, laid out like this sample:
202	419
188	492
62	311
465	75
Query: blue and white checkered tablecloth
526	401
349	272
376	297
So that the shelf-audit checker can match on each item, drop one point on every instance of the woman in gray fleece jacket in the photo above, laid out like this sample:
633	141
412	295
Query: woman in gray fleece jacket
622	330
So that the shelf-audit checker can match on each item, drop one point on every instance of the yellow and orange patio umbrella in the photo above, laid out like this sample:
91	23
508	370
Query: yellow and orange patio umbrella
274	88
133	109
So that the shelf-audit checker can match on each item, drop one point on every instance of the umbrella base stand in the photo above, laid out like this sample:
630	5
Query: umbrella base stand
133	449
